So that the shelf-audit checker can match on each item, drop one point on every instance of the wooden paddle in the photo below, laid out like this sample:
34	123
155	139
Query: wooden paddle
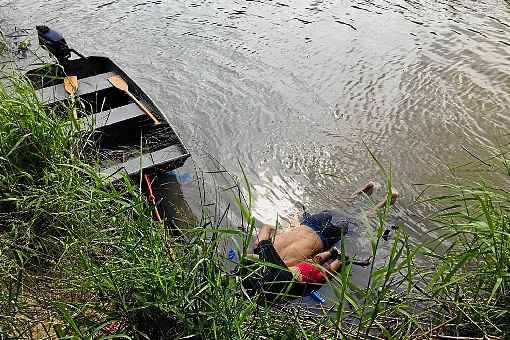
71	84
121	84
71	87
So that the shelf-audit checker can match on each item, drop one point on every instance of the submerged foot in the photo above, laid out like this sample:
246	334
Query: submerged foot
394	196
372	212
367	189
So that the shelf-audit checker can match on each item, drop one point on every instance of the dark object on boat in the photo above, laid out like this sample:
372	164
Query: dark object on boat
55	43
125	139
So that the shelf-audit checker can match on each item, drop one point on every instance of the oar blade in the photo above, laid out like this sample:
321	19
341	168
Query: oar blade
119	83
71	84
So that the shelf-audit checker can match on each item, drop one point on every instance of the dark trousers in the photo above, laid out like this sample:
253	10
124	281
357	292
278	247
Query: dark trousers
268	276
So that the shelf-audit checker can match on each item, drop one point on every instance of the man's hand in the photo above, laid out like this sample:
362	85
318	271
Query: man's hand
363	263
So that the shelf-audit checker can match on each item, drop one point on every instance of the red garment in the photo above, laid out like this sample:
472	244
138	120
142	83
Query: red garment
310	273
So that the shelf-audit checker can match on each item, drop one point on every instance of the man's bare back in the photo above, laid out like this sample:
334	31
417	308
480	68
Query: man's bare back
297	243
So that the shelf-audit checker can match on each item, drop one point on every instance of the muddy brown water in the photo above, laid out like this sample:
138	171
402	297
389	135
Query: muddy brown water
297	91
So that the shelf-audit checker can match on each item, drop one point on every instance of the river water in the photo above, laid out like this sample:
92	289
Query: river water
299	91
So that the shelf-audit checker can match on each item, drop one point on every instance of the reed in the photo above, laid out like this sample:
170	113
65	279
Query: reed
472	256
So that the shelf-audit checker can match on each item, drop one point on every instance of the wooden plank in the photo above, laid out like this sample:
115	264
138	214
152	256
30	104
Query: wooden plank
57	93
148	160
113	116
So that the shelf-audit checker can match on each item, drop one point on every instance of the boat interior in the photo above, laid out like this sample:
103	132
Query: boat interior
125	140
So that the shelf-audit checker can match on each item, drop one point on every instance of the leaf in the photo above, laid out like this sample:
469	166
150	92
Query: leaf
499	280
18	143
70	321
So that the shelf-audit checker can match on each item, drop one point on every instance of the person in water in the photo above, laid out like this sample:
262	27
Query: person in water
317	232
313	271
299	254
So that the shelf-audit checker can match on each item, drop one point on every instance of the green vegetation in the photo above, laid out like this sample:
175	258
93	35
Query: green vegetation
24	44
82	258
473	274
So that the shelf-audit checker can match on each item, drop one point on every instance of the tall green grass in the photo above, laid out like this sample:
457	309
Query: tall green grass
472	257
82	258
455	286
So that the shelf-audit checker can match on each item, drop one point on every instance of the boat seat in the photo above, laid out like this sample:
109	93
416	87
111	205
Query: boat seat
110	117
56	93
149	160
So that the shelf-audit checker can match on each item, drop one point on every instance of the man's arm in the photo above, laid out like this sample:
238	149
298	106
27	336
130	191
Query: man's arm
264	233
382	203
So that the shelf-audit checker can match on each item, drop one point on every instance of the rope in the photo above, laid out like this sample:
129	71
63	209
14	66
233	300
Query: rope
151	197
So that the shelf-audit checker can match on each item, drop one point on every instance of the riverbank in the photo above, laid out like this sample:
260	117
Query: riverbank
82	258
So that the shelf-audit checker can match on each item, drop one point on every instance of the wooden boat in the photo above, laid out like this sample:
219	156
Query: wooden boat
125	139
